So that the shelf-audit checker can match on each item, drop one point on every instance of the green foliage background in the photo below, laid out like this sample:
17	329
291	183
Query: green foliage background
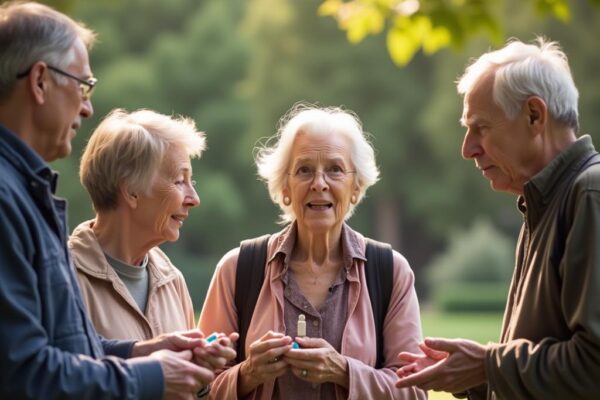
236	66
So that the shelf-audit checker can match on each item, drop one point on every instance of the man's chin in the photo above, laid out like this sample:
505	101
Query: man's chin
60	153
503	187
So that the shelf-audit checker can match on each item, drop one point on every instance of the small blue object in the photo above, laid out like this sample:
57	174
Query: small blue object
295	345
211	338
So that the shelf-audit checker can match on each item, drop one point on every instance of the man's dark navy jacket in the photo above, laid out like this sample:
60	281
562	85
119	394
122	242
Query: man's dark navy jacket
48	346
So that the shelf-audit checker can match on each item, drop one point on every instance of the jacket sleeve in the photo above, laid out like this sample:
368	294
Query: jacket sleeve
31	367
401	332
117	348
219	314
552	368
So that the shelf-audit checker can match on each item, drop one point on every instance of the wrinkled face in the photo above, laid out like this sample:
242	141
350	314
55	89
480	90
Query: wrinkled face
321	180
501	147
65	107
161	212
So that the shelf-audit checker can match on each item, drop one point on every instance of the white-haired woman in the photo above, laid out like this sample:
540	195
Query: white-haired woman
317	171
136	168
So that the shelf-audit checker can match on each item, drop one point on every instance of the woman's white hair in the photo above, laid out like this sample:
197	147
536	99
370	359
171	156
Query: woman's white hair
273	162
523	70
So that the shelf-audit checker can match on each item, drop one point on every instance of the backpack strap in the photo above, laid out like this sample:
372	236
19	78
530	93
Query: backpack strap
249	277
561	220
379	271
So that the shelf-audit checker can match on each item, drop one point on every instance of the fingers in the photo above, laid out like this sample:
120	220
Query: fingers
271	335
308	342
415	378
304	373
214	356
181	340
408	357
431	353
270	341
191	333
444	345
265	360
184	355
406	370
308	354
180	375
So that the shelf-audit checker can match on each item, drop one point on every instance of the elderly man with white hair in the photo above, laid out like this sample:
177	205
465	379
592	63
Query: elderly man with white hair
520	112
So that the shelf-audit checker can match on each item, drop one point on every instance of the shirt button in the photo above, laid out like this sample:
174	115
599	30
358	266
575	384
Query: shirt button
315	323
305	306
315	385
34	184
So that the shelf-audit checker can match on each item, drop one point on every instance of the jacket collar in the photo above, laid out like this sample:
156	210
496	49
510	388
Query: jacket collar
540	190
24	159
89	258
353	246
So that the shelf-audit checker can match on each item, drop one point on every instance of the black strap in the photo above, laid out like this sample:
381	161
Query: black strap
250	275
379	272
562	230
249	278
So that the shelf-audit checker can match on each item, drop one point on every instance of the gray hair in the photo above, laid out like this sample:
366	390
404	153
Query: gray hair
273	162
128	149
32	32
523	70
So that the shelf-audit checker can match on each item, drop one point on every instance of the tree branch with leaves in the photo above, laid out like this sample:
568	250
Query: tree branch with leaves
428	25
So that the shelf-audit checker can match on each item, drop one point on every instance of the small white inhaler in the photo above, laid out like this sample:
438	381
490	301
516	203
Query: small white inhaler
301	325
301	330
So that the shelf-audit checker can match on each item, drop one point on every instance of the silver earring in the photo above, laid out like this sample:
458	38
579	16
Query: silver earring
287	201
353	199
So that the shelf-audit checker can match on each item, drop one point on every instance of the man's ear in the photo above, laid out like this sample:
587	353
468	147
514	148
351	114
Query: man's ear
38	81
537	114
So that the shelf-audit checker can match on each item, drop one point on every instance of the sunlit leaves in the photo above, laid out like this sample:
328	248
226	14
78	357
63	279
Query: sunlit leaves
559	8
409	34
429	25
358	19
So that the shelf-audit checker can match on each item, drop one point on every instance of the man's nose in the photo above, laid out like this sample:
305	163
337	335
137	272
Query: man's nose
470	146
87	110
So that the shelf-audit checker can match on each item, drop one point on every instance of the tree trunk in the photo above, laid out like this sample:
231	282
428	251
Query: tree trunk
387	222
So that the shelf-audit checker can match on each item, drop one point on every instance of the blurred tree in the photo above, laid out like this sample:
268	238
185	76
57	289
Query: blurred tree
428	24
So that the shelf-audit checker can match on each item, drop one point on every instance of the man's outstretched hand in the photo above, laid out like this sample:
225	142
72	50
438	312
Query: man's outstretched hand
450	365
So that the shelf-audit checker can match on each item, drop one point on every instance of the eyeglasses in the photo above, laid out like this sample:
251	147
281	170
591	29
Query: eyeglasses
85	85
333	173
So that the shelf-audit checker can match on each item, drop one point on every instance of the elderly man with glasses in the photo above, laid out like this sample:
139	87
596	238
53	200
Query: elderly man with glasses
48	347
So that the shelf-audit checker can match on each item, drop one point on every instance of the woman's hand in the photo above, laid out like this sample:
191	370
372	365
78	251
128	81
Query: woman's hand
265	361
318	362
215	355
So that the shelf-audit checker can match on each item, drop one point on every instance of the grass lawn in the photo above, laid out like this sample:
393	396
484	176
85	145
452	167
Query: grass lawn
476	326
481	327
